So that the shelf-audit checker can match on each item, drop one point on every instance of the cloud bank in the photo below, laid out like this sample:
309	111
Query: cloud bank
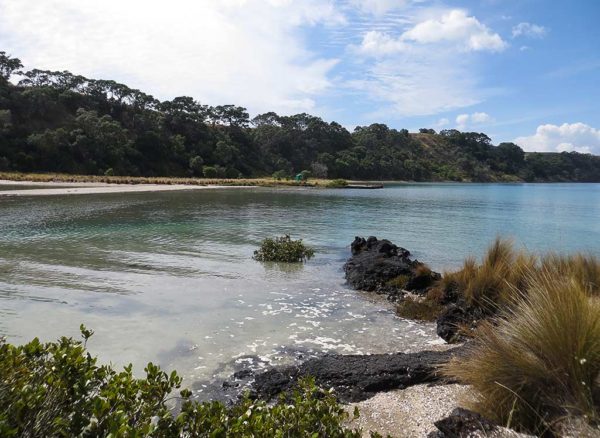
247	52
391	58
568	137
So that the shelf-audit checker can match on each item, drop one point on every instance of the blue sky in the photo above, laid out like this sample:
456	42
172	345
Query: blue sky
519	70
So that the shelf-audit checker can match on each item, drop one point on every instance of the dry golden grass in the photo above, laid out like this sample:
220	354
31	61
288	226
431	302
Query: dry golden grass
493	282
584	269
539	360
60	177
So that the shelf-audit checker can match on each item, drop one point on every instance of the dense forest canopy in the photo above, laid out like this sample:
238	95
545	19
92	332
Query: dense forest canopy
61	122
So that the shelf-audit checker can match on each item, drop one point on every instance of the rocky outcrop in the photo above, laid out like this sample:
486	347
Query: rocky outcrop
382	267
457	319
356	377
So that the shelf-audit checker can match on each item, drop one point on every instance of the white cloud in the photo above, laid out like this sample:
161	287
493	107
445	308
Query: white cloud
256	53
442	122
426	69
462	120
247	52
417	83
456	27
376	43
577	137
378	7
466	121
479	118
529	30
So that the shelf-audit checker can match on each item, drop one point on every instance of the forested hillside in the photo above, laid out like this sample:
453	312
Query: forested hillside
61	122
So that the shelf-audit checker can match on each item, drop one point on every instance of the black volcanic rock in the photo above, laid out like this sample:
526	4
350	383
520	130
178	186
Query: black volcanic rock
463	423
356	377
382	267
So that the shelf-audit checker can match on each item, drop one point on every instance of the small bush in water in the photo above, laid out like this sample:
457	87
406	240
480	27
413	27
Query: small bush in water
57	389
283	249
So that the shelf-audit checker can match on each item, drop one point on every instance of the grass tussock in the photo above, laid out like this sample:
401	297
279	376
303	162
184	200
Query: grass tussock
503	270
539	360
491	283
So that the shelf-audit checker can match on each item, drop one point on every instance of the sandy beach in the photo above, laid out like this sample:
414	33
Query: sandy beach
66	188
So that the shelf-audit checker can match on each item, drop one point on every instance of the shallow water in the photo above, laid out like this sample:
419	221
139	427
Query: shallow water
168	277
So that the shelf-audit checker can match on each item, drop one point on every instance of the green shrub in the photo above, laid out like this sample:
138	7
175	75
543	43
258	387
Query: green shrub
232	173
196	165
305	175
539	361
423	309
337	183
280	174
283	249
209	172
57	389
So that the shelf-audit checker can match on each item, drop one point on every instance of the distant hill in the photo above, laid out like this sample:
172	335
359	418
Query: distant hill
61	122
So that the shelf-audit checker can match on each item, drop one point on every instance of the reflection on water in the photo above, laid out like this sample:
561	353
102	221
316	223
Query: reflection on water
168	277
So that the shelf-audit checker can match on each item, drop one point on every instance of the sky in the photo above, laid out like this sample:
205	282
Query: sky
526	71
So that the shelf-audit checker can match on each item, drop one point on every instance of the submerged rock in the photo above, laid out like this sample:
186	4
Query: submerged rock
382	267
356	377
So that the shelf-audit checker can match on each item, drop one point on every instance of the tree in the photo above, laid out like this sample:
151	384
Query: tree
209	172
196	165
319	170
8	65
225	153
231	115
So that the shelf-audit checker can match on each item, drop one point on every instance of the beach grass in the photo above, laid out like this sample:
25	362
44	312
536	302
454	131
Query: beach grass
538	362
68	178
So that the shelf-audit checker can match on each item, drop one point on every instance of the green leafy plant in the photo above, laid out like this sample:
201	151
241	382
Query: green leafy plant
58	389
280	174
283	249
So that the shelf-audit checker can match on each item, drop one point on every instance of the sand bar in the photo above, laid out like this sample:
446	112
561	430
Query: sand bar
66	188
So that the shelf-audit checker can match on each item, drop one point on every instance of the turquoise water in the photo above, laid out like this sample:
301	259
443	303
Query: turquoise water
168	277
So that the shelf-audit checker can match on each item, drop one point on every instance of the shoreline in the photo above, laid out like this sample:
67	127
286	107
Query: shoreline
62	178
87	188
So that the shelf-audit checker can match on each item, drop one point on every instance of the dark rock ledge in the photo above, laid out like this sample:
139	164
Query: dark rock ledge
356	377
382	267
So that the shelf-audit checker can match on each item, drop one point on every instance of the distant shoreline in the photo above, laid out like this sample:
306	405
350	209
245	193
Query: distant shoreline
72	188
64	184
67	184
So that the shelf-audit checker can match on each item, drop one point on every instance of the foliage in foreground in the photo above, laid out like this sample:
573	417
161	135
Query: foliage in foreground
57	389
283	249
538	362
